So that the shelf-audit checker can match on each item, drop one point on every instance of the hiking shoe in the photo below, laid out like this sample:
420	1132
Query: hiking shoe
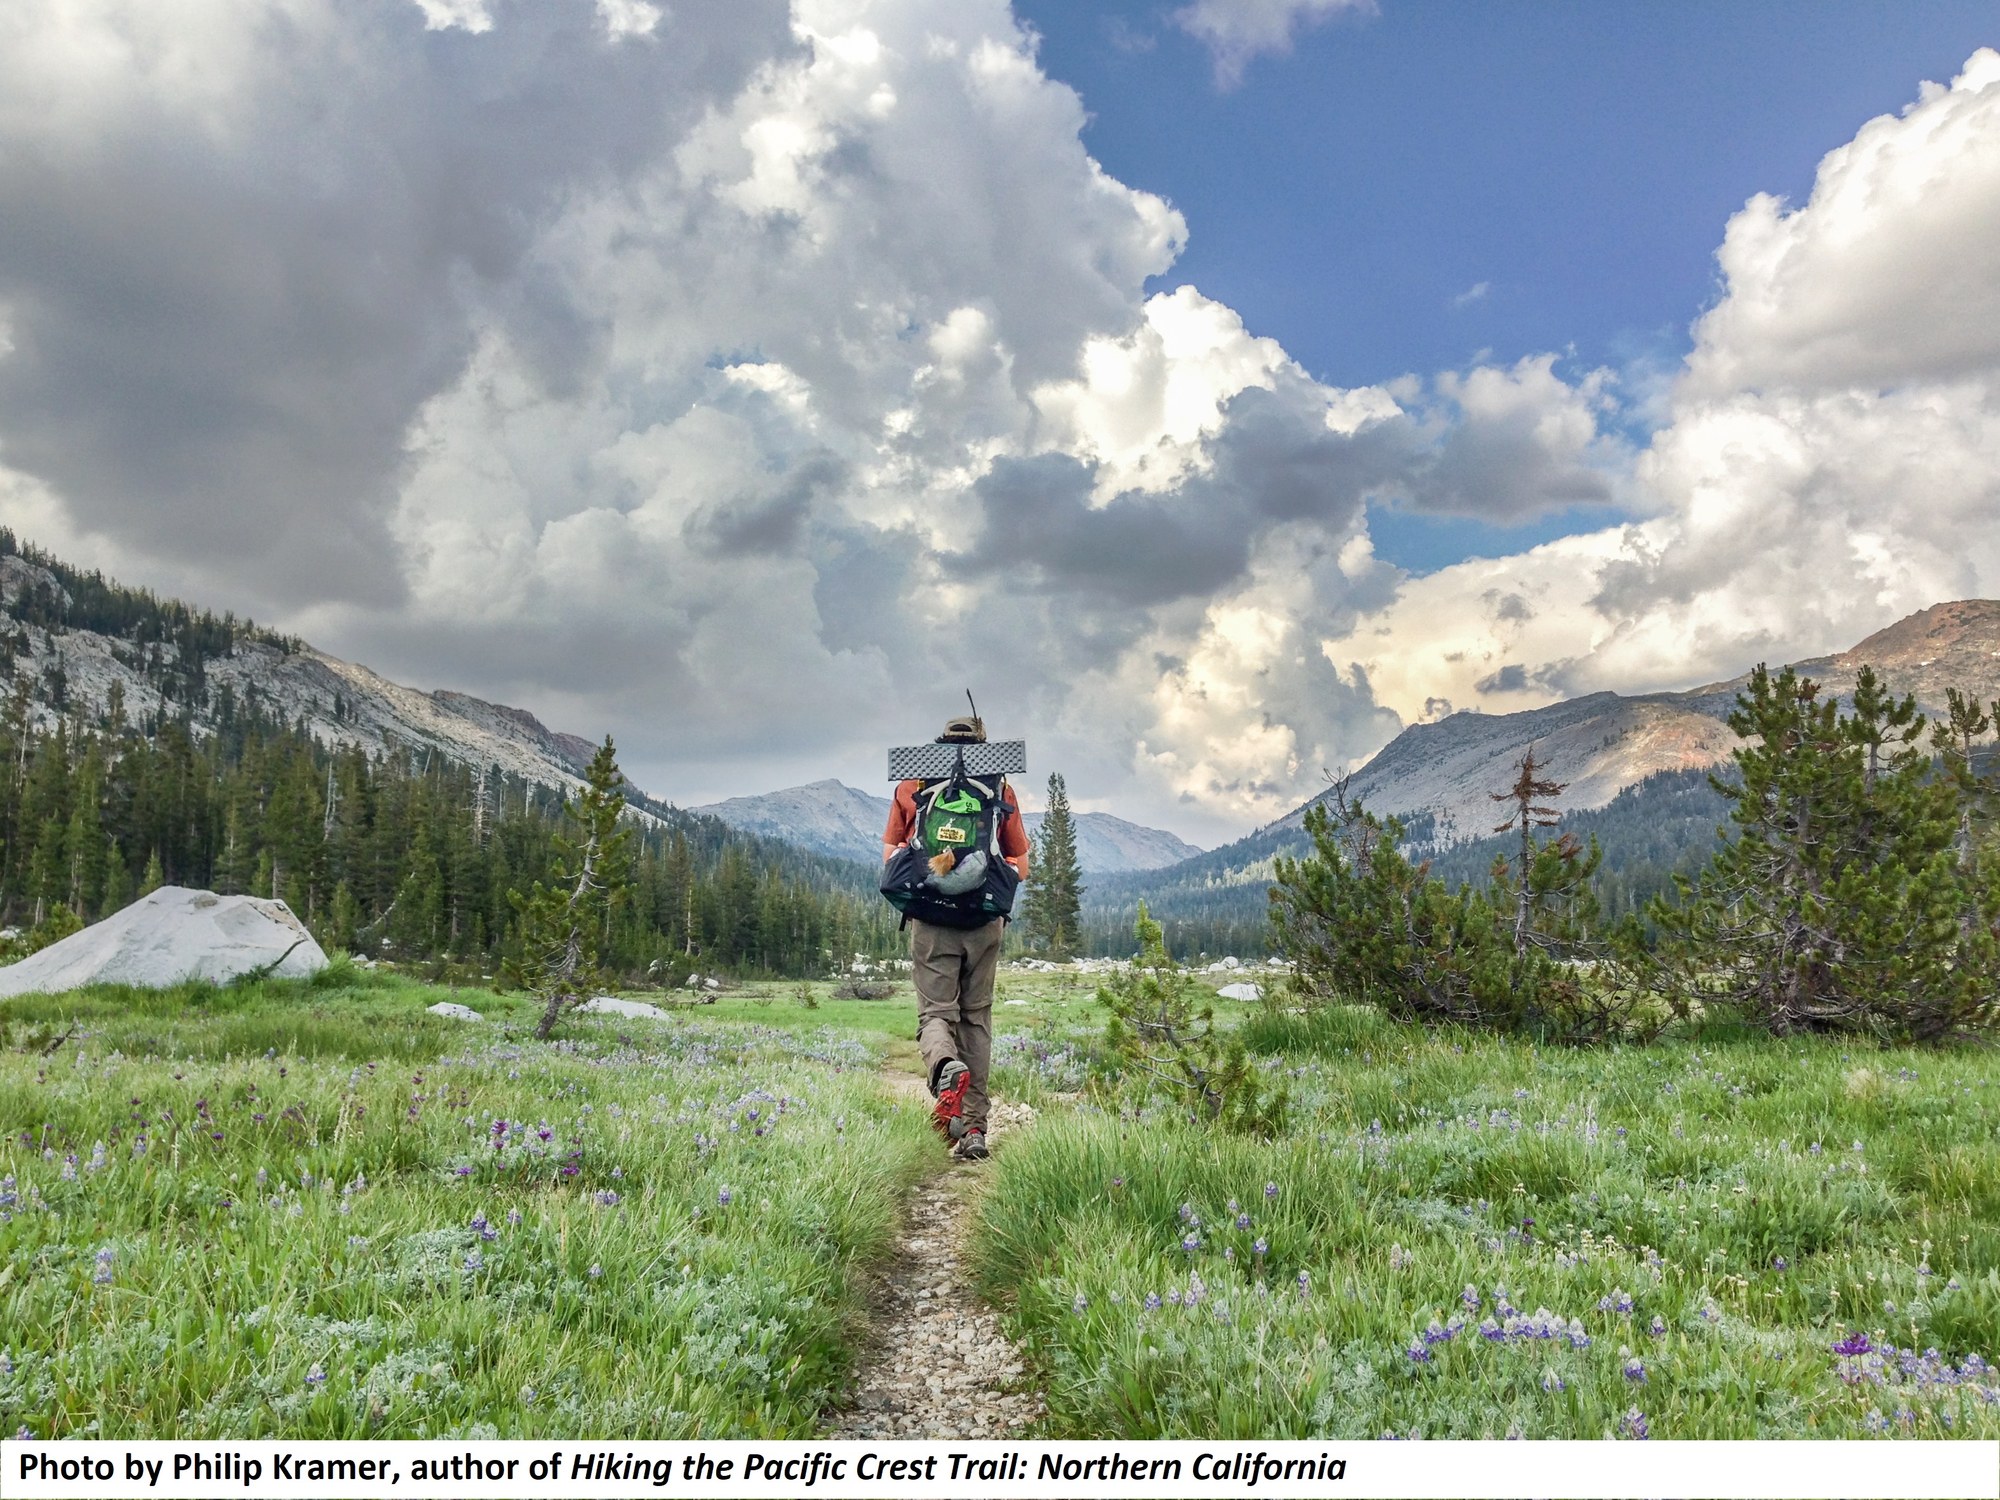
948	1073
971	1147
947	1115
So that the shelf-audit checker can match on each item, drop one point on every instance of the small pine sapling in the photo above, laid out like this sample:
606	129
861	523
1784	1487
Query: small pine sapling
561	923
1158	1028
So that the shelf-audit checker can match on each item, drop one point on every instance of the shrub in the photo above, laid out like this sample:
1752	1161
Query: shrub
1157	1029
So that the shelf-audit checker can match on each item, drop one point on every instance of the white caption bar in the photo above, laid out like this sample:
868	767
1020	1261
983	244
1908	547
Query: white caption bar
1044	1470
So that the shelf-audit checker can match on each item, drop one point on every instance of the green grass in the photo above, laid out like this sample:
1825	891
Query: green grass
258	1211
318	1271
1717	1186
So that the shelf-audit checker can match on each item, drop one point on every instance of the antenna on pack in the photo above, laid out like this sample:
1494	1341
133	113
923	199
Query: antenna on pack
970	704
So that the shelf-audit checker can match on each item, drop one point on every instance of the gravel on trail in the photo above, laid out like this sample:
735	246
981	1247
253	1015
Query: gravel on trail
937	1364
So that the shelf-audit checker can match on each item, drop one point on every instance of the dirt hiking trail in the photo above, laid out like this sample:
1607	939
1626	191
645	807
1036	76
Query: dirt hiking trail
937	1364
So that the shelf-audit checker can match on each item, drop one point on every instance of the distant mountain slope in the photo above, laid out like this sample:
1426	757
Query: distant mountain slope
1439	777
339	702
834	818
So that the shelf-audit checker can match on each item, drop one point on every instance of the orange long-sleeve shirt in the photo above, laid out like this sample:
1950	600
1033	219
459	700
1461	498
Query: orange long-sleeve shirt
1011	832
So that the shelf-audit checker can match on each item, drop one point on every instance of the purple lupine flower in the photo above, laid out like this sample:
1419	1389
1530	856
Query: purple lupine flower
484	1229
1635	1371
1491	1331
1080	1304
1419	1355
1191	1243
1552	1382
1779	1263
723	1196
1658	1327
1399	1257
1853	1345
315	1377
1305	1286
474	1262
1152	1301
1634	1425
513	1216
606	1198
1470	1297
595	1271
1260	1249
1187	1213
1243	1221
102	1275
1270	1191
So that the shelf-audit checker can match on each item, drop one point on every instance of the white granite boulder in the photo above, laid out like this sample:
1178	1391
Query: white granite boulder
1241	992
171	935
611	1005
455	1011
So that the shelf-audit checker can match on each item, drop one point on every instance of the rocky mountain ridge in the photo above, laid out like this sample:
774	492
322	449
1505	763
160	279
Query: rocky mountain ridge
1440	775
338	702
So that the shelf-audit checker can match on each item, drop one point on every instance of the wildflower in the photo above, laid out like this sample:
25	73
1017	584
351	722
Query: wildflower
1191	1243
1658	1327
96	1162
474	1262
1419	1355
1779	1263
1634	1425
513	1216
6	1364
595	1270
1399	1257
527	1395
1152	1301
1470	1297
102	1275
1270	1191
484	1229
1635	1371
1260	1249
462	1171
1552	1382
22	1435
1853	1345
1305	1286
69	1168
1243	1221
1578	1339
606	1198
723	1195
1080	1304
315	1377
356	1241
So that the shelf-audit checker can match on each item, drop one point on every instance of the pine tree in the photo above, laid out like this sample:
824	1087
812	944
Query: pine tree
563	923
1840	903
1055	884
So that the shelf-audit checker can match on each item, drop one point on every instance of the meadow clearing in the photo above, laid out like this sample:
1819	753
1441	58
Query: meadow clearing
315	1209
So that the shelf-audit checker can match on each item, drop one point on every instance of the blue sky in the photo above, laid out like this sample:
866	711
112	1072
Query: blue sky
1577	160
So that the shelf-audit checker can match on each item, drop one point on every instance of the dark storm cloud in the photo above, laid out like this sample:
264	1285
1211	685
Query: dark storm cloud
226	311
769	521
1274	461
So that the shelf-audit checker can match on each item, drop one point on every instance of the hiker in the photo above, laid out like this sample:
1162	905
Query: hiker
953	959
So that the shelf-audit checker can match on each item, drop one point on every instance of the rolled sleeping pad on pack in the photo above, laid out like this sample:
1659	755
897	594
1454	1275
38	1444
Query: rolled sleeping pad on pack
933	762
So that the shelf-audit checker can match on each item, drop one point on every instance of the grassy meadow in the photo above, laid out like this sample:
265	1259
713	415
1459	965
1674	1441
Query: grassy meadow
317	1210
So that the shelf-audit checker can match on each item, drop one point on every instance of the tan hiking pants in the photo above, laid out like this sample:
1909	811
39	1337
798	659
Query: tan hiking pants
953	969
